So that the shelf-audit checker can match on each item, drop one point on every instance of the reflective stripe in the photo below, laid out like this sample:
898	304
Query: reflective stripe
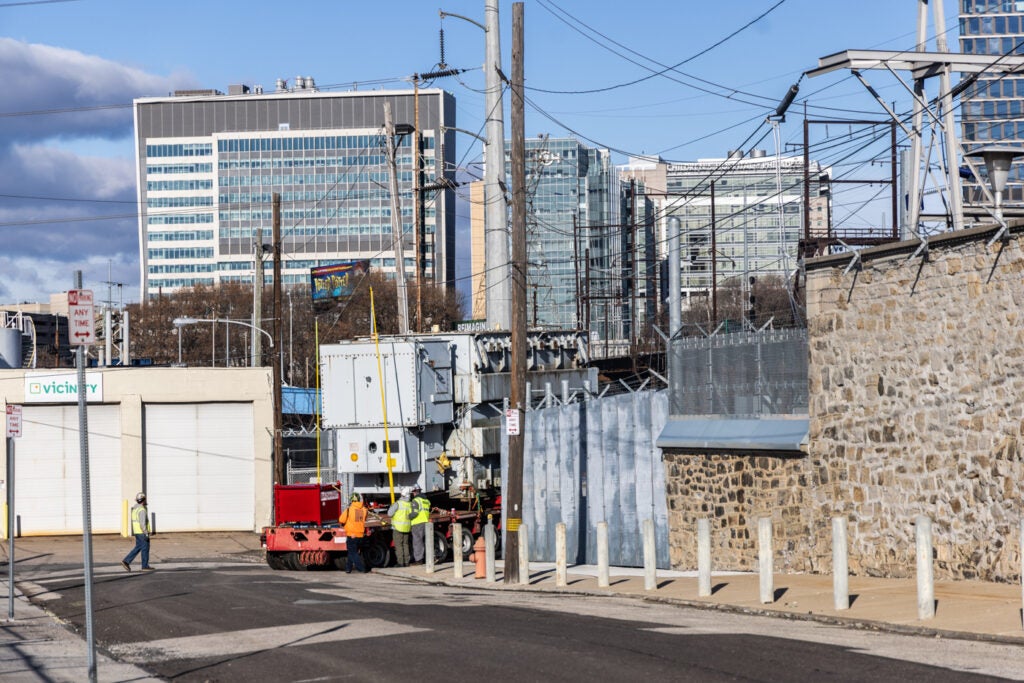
422	515
401	520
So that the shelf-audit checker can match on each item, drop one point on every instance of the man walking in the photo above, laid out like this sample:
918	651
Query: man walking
354	519
400	513
140	529
420	517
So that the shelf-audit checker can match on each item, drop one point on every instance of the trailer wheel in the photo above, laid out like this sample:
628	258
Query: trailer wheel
467	542
275	560
442	548
291	561
377	554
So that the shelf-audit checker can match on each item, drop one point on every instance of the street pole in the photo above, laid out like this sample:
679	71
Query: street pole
257	299
417	198
278	339
496	236
396	222
514	493
10	528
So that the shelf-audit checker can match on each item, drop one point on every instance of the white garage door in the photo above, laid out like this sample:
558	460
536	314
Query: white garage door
48	472
199	466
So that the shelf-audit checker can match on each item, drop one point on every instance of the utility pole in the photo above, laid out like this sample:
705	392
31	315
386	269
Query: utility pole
514	493
417	194
396	222
257	297
279	474
496	237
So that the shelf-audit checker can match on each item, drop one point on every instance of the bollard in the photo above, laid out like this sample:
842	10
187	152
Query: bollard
428	544
840	566
1022	566
561	573
650	556
703	558
457	550
764	559
524	555
925	574
489	550
602	555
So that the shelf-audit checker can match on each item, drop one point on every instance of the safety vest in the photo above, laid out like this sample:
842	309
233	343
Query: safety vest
140	520
422	506
401	519
354	519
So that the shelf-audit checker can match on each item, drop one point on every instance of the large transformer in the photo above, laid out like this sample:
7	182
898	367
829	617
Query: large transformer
442	396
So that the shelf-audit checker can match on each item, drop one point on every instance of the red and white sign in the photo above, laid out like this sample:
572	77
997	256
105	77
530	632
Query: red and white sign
81	321
512	422
13	422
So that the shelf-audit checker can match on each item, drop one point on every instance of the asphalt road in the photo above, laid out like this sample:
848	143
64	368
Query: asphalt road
245	622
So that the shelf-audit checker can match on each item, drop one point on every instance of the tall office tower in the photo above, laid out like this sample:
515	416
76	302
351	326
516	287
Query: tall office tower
755	230
992	109
209	163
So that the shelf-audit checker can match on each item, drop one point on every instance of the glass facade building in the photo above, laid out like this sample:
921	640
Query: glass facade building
992	109
209	164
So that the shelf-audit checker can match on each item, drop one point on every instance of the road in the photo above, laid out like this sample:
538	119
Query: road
245	622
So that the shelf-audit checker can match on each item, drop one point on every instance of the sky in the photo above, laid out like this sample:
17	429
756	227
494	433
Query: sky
677	78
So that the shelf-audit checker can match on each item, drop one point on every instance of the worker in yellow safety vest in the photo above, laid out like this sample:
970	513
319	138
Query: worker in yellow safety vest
420	517
140	529
400	513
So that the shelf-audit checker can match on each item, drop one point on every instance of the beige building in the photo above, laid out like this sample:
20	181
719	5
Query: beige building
198	441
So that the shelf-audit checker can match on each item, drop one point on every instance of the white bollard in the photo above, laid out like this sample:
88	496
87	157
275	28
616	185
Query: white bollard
457	551
603	579
561	573
703	558
650	556
524	555
489	551
840	565
1022	566
925	570
764	560
428	547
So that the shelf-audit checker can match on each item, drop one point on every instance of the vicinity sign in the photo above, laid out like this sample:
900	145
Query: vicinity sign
62	387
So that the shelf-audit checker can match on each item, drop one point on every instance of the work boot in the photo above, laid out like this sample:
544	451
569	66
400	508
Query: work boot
127	567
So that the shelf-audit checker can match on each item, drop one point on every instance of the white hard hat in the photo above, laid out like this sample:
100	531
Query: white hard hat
140	498
406	491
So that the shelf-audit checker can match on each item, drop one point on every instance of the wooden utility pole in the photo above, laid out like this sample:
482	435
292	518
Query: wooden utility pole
513	495
396	222
275	359
257	299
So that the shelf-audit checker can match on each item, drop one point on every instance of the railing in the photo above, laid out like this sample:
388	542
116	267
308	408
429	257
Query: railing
19	321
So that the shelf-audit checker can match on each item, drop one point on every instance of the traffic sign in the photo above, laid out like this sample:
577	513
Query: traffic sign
512	422
81	321
13	422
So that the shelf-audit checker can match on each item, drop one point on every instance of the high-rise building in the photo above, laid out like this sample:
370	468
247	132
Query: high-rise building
209	163
992	109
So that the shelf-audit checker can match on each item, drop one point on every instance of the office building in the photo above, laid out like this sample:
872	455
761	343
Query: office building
209	163
992	109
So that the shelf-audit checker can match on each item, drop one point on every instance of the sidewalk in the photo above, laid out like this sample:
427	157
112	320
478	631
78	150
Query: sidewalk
35	647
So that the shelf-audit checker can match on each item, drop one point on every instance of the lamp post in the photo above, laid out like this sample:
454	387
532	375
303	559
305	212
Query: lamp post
181	322
998	159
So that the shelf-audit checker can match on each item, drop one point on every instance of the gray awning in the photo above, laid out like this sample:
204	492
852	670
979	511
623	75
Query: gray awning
723	434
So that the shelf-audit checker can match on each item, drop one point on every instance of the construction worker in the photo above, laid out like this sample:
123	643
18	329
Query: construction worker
400	513
140	529
420	517
354	519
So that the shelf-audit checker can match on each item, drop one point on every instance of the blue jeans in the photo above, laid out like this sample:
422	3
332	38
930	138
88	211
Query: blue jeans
141	546
352	556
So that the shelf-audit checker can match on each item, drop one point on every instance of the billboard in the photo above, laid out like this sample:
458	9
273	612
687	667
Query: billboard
328	283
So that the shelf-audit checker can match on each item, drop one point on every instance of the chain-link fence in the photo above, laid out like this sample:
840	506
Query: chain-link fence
744	373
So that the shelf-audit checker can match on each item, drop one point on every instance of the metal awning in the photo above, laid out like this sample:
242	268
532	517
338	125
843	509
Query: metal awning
784	434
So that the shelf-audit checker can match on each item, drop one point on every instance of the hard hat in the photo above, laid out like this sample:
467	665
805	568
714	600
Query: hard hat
406	491
355	498
140	498
417	489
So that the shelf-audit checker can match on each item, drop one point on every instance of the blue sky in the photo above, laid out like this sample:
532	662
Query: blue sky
71	70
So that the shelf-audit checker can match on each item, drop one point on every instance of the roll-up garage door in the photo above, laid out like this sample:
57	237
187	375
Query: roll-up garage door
199	466
48	472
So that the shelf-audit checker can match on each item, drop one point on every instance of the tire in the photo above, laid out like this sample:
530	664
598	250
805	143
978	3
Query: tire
275	560
377	554
442	548
291	561
467	542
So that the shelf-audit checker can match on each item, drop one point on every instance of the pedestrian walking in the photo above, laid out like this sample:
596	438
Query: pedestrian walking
140	529
354	519
400	513
420	517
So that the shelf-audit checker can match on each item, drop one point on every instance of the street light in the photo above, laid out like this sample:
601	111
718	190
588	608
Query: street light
181	322
998	159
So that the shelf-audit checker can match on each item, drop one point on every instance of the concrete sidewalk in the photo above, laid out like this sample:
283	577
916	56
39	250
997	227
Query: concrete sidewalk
35	647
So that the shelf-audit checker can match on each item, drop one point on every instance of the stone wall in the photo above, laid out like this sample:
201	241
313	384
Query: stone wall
916	375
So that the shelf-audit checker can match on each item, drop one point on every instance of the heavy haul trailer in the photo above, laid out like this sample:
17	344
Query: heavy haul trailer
439	399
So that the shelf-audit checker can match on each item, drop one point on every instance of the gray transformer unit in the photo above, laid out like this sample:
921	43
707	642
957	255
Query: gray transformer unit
440	402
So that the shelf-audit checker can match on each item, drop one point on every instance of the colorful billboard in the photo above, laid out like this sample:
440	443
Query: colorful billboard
327	283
